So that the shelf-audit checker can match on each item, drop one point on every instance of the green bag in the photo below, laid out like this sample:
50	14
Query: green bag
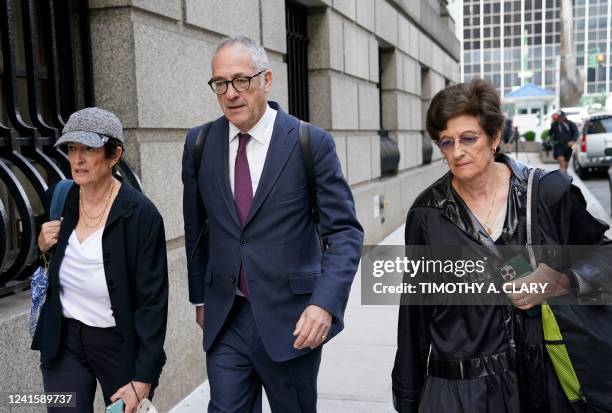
555	346
553	339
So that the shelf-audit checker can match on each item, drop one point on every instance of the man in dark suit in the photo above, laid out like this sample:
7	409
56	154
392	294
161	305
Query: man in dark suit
266	296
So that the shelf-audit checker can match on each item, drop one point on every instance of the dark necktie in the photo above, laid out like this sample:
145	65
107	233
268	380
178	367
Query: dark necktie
243	195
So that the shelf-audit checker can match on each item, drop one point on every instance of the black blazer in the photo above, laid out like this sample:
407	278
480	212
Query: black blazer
136	270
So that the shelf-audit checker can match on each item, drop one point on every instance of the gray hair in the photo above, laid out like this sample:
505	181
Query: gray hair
259	57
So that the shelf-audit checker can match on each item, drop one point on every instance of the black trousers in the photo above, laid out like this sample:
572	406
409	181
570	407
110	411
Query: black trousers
85	354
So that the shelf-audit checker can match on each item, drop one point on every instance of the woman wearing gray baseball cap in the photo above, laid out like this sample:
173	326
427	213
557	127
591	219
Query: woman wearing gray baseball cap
105	312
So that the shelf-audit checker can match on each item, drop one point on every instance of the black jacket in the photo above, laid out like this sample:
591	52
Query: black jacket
498	350
136	270
563	132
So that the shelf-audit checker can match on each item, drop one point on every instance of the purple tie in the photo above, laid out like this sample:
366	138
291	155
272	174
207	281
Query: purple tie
243	195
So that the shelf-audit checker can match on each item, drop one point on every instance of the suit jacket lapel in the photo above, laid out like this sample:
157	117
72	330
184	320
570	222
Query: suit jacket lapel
219	155
281	146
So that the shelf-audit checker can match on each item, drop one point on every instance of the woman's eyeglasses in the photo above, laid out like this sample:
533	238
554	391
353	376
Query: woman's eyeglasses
448	144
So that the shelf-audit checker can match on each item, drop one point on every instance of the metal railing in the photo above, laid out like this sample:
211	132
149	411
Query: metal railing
46	75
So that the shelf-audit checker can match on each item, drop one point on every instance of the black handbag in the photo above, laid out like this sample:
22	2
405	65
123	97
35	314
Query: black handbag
578	338
587	335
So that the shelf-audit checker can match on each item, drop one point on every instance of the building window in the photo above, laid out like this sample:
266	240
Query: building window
46	70
46	75
297	59
389	150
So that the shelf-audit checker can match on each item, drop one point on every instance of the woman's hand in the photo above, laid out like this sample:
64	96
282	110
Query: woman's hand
126	393
557	283
49	234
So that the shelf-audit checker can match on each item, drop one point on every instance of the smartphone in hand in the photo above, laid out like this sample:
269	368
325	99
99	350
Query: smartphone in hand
116	407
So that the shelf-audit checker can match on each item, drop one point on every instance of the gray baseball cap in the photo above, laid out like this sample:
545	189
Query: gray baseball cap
92	127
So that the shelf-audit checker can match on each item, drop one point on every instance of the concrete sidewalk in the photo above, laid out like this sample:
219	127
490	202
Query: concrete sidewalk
355	373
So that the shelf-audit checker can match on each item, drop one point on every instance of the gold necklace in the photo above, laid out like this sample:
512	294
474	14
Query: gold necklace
98	218
486	225
83	207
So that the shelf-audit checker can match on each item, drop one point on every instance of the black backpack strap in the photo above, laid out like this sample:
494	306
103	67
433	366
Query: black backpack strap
198	148
58	198
198	152
310	176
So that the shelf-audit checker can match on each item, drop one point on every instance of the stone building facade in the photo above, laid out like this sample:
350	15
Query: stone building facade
372	67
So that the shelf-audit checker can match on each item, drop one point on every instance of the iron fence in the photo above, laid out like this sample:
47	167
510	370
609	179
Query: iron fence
46	74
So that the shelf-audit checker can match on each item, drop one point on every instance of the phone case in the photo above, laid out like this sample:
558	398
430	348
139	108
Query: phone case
515	267
116	407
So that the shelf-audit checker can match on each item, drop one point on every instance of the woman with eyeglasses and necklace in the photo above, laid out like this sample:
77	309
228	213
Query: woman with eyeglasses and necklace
104	317
486	358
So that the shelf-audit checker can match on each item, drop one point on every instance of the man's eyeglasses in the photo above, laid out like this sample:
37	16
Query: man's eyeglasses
448	144
240	84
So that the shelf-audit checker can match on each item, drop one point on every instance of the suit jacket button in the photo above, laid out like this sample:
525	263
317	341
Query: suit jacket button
233	280
243	242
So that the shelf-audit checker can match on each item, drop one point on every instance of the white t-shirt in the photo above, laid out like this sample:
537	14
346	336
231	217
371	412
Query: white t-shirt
83	290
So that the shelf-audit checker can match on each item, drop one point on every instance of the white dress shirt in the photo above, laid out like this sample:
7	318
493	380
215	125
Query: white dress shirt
256	149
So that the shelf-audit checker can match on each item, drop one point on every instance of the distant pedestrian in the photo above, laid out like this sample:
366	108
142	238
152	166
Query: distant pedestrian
547	145
516	135
563	133
507	136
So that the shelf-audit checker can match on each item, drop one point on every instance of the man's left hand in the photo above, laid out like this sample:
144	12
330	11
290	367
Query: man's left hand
129	397
312	328
558	284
